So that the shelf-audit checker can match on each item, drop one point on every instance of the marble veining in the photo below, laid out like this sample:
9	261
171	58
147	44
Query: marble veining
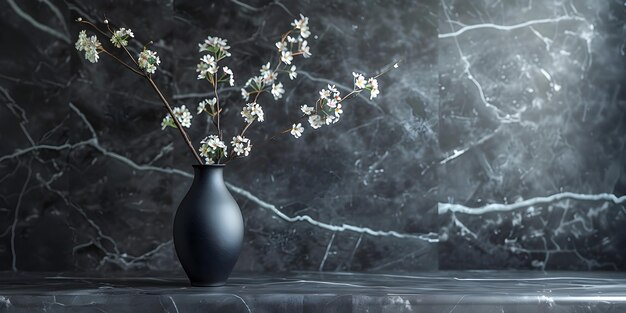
498	143
479	291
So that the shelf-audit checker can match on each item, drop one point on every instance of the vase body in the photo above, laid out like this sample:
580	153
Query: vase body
208	228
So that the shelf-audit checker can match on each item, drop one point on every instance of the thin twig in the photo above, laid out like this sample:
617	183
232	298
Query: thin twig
123	63
178	125
217	105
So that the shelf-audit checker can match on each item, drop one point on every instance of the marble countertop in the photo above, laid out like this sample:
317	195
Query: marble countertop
467	291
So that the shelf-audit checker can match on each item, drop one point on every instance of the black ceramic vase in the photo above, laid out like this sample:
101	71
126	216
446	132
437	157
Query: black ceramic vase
208	228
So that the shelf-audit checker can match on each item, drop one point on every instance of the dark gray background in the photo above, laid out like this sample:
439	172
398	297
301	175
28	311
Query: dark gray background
518	103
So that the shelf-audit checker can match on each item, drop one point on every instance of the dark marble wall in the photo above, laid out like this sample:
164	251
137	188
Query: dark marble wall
498	143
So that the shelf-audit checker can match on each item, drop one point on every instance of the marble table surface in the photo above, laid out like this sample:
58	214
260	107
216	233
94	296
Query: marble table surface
467	291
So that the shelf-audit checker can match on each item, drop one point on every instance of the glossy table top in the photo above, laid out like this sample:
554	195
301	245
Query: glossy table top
467	291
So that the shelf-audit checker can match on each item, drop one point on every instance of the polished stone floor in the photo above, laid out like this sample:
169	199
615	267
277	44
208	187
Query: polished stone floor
467	291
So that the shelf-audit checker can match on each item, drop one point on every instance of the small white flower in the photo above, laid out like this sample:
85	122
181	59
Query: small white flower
210	102
215	44
257	82
395	65
92	54
241	145
286	57
307	109
201	106
302	22
120	37
338	111
212	149
265	69
214	142
324	94
359	81
335	91
206	67
303	25
291	39
90	45
106	21
257	111
278	90
332	103
251	112
269	77
292	72
296	130
244	94
305	32
282	46
315	121
182	115
148	61
329	119
306	50
82	39
207	59
373	85
229	72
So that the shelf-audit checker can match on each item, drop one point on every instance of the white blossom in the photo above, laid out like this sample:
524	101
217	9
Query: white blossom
332	103
395	65
256	82
292	72
148	61
359	81
244	94
229	72
296	130
269	77
120	37
265	69
206	67
305	32
307	109
182	115
215	44
324	94
338	111
278	91
335	91
282	46
212	149
286	57
306	50
315	121
210	102
241	145
88	44
82	41
251	112
373	85
328	119
291	39
303	25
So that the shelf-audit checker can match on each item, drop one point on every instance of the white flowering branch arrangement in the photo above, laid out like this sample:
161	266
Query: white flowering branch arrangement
213	150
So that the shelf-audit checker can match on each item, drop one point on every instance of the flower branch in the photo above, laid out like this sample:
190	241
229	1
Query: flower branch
328	107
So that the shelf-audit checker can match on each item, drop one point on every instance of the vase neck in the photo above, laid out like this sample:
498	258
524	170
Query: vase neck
209	172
